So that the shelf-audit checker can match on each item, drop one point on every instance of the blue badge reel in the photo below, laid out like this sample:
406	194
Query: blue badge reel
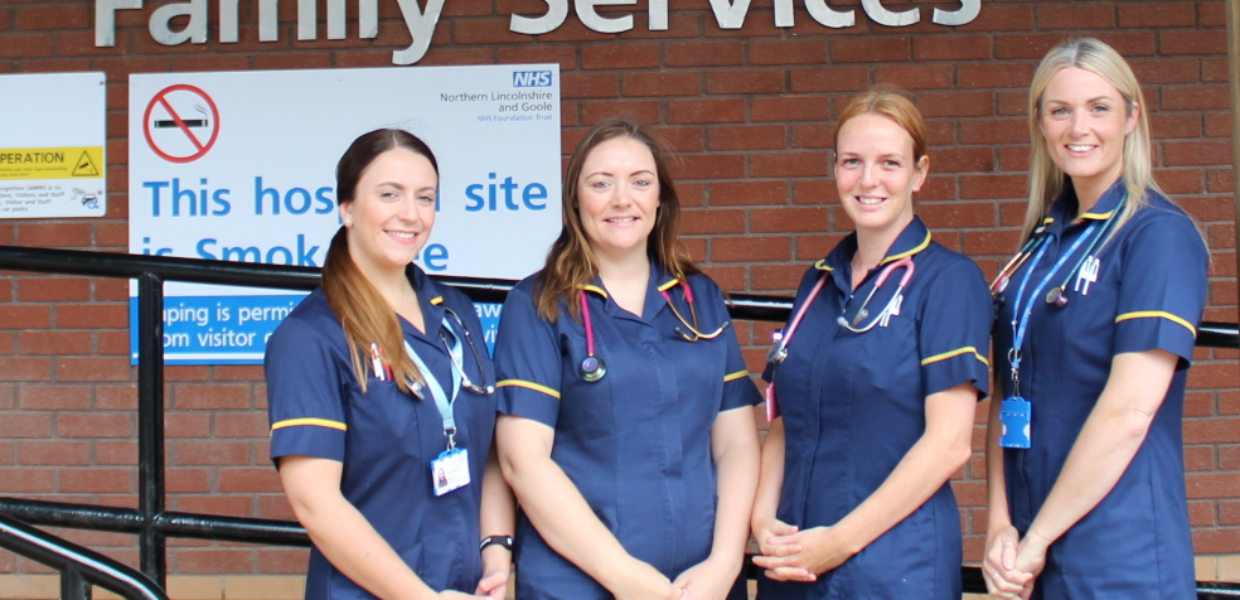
1016	414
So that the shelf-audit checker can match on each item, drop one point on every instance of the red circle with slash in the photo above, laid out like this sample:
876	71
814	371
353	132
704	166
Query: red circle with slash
161	99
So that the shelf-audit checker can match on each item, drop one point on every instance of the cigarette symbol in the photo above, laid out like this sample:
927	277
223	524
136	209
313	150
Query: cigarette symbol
171	123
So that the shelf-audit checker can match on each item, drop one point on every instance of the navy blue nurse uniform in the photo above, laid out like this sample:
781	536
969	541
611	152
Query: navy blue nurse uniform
385	438
635	443
854	404
1149	295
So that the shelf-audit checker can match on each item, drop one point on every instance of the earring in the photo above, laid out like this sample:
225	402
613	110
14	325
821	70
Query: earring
348	222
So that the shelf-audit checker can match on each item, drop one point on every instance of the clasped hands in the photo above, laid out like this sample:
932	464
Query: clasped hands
789	554
1013	564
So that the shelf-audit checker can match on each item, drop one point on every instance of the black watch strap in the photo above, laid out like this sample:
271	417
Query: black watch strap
500	540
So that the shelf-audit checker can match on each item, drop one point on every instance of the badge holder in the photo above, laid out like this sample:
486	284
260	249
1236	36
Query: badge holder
449	470
1016	415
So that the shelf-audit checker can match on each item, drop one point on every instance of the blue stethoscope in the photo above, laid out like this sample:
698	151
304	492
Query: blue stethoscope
1058	295
594	368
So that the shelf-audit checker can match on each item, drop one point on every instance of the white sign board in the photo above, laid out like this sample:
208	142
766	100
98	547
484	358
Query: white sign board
52	136
240	166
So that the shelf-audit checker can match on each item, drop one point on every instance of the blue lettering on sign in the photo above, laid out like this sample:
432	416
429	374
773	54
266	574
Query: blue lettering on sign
192	202
303	256
531	79
296	201
433	258
533	196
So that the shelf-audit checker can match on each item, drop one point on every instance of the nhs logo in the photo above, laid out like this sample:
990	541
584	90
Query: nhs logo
531	79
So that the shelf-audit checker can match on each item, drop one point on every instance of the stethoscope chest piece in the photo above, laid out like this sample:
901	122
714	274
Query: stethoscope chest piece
1056	297
593	369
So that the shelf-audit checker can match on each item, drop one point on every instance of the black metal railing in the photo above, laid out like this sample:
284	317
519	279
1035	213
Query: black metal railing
79	567
152	523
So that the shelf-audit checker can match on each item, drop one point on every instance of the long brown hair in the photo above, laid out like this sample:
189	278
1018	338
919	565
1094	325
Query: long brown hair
571	263
365	314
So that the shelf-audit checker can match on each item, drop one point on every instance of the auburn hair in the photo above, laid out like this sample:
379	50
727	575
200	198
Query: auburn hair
571	262
891	103
364	313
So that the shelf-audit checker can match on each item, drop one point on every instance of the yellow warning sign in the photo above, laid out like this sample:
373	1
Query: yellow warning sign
51	163
85	167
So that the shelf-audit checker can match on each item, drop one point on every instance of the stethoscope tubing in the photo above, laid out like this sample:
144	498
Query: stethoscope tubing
909	267
593	368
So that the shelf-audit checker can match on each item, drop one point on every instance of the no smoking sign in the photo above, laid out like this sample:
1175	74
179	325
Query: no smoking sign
181	123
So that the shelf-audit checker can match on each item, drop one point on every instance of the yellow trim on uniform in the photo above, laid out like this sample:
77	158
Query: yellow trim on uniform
954	353
735	376
529	385
922	246
669	285
437	300
822	265
1097	216
594	288
1142	314
309	421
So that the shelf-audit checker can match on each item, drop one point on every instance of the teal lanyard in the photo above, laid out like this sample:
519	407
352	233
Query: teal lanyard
443	402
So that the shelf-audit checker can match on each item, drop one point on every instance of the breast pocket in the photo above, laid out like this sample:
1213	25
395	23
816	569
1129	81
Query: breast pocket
1088	325
390	418
884	362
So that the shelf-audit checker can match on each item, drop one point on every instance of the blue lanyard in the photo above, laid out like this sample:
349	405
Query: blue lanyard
1020	322
442	401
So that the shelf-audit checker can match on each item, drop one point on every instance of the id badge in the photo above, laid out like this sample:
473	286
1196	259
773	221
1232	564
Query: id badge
450	471
1016	414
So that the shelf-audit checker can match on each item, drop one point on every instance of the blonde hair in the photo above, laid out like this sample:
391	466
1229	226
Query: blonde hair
1046	180
571	263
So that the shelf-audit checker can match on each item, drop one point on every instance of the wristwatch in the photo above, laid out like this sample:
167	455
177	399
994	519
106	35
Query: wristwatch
500	540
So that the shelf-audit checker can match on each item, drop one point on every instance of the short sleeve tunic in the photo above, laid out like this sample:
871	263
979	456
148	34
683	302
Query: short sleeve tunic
635	443
385	438
1149	294
853	405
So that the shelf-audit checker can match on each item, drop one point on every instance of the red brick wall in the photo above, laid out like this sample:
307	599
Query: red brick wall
750	113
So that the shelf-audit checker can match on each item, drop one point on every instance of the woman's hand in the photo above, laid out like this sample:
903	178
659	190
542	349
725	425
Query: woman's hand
1031	559
805	555
644	582
1003	580
707	580
765	528
494	584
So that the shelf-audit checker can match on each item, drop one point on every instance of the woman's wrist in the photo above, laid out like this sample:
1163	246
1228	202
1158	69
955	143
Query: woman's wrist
997	520
503	541
1035	540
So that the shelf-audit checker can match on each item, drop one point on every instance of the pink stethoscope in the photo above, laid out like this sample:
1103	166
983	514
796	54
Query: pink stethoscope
593	368
779	352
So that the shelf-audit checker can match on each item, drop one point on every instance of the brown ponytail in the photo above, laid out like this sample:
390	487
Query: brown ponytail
366	316
363	311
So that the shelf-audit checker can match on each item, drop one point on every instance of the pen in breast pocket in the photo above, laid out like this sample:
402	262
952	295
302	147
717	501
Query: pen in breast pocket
382	371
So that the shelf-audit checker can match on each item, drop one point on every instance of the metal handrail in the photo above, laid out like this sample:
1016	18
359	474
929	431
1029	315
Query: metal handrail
152	523
79	567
